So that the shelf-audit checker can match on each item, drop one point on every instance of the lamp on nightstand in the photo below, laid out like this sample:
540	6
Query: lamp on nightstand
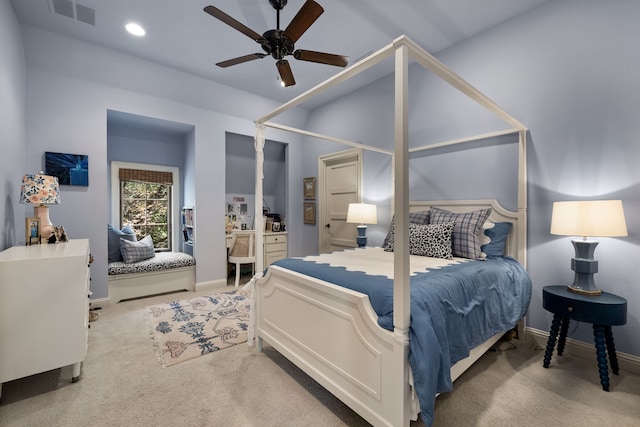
362	213
593	218
41	190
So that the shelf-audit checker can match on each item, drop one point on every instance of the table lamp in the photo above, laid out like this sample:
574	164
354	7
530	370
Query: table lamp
362	213
594	218
41	190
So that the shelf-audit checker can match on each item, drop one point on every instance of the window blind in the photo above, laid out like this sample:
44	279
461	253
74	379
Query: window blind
156	177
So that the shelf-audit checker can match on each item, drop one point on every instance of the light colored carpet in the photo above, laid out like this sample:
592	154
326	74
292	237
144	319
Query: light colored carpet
122	384
184	329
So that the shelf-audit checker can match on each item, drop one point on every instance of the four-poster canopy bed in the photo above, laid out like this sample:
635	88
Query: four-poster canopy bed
336	334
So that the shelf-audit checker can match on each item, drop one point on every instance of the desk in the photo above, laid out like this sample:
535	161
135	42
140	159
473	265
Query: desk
275	246
603	311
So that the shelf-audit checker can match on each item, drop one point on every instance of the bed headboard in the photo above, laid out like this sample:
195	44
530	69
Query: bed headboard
516	243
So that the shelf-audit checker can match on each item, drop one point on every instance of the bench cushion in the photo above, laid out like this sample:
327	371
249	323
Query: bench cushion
162	261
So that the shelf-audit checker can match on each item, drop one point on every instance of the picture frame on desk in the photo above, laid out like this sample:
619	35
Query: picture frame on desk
61	234
32	231
268	224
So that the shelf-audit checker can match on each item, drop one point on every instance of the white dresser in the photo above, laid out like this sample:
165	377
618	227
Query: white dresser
275	247
44	308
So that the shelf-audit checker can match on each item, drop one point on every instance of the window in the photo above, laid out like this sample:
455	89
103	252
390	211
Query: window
143	195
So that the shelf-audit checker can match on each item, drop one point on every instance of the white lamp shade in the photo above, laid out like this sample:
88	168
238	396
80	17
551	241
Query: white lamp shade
595	218
362	213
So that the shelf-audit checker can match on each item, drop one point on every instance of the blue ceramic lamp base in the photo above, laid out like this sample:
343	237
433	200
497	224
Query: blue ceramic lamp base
584	266
361	240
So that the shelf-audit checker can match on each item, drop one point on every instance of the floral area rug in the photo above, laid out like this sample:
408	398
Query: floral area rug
183	330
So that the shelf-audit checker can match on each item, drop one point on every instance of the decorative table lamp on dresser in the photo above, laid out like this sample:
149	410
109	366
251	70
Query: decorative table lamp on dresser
41	190
582	300
362	213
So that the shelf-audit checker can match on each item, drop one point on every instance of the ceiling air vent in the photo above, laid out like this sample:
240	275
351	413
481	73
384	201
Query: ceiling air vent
74	10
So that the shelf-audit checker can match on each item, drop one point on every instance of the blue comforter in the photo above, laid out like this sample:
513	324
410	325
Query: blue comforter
453	309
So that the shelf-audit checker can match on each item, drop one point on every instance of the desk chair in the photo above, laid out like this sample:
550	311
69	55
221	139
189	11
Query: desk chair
242	251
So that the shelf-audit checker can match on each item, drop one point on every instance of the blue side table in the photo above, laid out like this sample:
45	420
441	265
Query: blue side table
603	311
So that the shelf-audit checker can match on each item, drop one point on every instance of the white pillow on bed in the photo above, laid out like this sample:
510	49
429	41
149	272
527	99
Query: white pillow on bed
137	251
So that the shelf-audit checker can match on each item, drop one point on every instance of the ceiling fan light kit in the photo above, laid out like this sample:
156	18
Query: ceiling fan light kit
278	43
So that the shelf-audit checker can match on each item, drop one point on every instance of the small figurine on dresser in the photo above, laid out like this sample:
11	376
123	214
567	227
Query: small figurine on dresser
58	235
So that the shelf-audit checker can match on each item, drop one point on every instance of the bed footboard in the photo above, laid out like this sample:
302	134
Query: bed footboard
331	333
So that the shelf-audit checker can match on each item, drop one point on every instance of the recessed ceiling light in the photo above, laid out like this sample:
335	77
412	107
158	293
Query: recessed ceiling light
135	29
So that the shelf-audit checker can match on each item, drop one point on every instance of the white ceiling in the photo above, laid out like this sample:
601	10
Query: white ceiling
182	36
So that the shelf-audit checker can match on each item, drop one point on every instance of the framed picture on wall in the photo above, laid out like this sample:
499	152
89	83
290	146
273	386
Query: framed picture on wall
310	188
309	212
71	169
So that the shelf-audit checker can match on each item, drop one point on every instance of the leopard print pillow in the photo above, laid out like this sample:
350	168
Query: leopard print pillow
432	240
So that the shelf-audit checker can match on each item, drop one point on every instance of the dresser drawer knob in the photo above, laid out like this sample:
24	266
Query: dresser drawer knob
570	309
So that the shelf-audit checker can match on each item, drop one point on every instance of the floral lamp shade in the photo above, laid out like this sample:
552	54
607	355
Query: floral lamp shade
40	189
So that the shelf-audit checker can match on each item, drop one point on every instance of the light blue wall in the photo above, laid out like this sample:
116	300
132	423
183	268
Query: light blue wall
70	88
240	172
568	70
12	128
148	146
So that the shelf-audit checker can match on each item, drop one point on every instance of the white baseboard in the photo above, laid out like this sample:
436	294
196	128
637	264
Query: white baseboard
626	362
202	286
211	284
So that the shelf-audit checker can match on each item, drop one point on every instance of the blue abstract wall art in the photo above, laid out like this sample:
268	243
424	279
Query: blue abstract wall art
71	169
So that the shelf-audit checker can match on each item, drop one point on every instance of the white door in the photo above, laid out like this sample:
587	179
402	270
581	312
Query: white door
339	184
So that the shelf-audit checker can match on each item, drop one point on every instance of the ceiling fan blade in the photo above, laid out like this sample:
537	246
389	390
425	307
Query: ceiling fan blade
240	60
321	57
217	13
306	16
286	75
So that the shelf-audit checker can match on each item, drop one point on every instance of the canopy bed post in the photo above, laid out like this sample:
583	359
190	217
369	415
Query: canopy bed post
522	195
401	287
259	225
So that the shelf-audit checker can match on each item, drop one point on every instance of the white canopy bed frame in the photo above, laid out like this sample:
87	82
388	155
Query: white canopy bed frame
362	364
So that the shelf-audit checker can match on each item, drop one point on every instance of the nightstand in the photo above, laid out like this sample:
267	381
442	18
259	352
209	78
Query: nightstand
603	311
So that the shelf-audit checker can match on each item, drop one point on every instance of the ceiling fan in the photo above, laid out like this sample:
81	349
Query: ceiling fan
279	43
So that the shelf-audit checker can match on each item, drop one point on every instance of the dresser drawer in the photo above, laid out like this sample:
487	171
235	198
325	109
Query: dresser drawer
273	239
276	247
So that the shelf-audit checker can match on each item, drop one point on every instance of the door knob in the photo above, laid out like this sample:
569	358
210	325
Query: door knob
328	226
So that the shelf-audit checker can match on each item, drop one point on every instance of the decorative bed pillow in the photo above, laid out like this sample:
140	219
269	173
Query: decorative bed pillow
466	238
432	240
421	217
137	251
496	237
114	240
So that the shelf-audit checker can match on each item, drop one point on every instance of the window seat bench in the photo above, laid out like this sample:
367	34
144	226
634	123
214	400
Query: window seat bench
165	272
